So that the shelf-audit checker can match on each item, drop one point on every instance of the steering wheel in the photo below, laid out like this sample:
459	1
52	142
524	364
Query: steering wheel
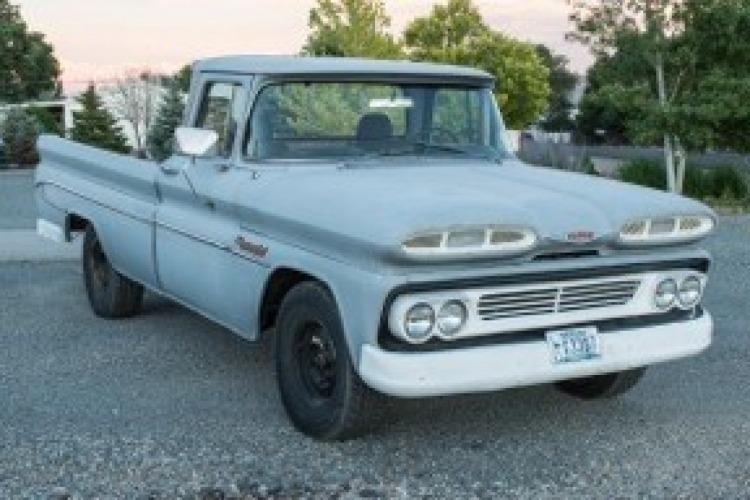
443	135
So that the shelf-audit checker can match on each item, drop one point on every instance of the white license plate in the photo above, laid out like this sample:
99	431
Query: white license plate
574	344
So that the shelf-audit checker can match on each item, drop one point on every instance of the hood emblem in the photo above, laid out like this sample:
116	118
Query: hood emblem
579	237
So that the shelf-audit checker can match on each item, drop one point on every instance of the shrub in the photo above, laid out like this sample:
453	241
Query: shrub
726	182
695	184
644	173
587	167
3	158
47	122
19	133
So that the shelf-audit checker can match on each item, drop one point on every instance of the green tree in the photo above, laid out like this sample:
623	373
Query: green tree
96	126
673	71
19	133
169	116
455	33
653	26
28	68
48	123
562	82
350	28
182	78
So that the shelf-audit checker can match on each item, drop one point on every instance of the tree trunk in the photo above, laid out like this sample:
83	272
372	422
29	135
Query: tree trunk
669	159
681	161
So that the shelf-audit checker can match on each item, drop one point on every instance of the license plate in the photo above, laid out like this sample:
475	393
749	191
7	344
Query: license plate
574	344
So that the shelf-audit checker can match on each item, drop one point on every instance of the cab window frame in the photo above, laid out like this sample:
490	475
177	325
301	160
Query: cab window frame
237	104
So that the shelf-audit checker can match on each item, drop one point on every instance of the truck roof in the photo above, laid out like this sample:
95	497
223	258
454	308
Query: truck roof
340	66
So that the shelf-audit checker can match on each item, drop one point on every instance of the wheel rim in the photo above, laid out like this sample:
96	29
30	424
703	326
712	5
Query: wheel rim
99	266
316	360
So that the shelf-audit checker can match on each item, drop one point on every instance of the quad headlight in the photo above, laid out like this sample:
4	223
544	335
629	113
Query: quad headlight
423	321
419	322
451	317
665	230
685	292
690	291
473	241
666	294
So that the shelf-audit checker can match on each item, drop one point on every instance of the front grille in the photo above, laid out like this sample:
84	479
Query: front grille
558	299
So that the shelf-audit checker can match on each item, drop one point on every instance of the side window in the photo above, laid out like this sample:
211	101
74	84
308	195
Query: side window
221	111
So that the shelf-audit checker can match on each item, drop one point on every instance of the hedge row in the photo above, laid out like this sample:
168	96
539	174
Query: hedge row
724	182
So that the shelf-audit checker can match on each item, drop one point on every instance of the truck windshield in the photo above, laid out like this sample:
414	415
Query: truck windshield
303	120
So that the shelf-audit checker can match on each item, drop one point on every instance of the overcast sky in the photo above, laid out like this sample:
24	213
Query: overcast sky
99	39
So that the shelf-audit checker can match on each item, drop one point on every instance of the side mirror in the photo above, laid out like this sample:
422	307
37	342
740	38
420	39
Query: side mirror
195	141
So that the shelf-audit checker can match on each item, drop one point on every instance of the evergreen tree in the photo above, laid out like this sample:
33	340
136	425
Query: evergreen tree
168	118
96	126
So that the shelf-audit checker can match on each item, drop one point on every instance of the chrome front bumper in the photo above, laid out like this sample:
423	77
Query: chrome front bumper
490	368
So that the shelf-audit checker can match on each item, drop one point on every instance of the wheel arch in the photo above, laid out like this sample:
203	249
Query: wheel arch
75	223
279	282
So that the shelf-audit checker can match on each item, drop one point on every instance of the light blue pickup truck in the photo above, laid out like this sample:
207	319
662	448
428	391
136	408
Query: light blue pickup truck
370	216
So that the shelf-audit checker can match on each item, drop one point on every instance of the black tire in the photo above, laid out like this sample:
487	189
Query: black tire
602	386
111	294
321	392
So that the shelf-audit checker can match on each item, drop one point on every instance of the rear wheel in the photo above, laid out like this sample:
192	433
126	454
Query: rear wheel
602	386
110	294
321	392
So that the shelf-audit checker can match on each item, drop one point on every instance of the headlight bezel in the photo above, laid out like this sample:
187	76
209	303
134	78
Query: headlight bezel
672	229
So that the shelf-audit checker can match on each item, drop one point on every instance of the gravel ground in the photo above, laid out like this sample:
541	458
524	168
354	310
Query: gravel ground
168	405
17	209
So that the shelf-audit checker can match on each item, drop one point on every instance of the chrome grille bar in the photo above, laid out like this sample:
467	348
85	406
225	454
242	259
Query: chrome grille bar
563	298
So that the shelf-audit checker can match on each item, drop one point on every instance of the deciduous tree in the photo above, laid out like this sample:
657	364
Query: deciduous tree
28	67
673	69
456	33
351	28
562	83
134	100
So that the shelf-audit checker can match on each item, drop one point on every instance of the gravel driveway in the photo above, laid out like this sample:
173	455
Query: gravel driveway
167	404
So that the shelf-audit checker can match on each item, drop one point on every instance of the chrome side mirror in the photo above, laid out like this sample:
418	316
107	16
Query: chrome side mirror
195	141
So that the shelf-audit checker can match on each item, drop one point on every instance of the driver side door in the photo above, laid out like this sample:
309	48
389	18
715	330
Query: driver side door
196	222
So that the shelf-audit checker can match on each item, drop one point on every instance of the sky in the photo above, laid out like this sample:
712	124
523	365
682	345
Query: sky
102	39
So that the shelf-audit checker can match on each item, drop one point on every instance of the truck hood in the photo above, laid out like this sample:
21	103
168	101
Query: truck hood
374	206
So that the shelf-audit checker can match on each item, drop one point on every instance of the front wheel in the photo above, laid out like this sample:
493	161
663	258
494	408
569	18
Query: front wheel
602	386
111	294
321	392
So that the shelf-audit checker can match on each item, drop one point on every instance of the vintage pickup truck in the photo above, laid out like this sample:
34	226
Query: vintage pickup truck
369	216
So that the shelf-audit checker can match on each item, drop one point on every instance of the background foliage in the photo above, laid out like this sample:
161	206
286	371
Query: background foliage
28	67
96	126
19	132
